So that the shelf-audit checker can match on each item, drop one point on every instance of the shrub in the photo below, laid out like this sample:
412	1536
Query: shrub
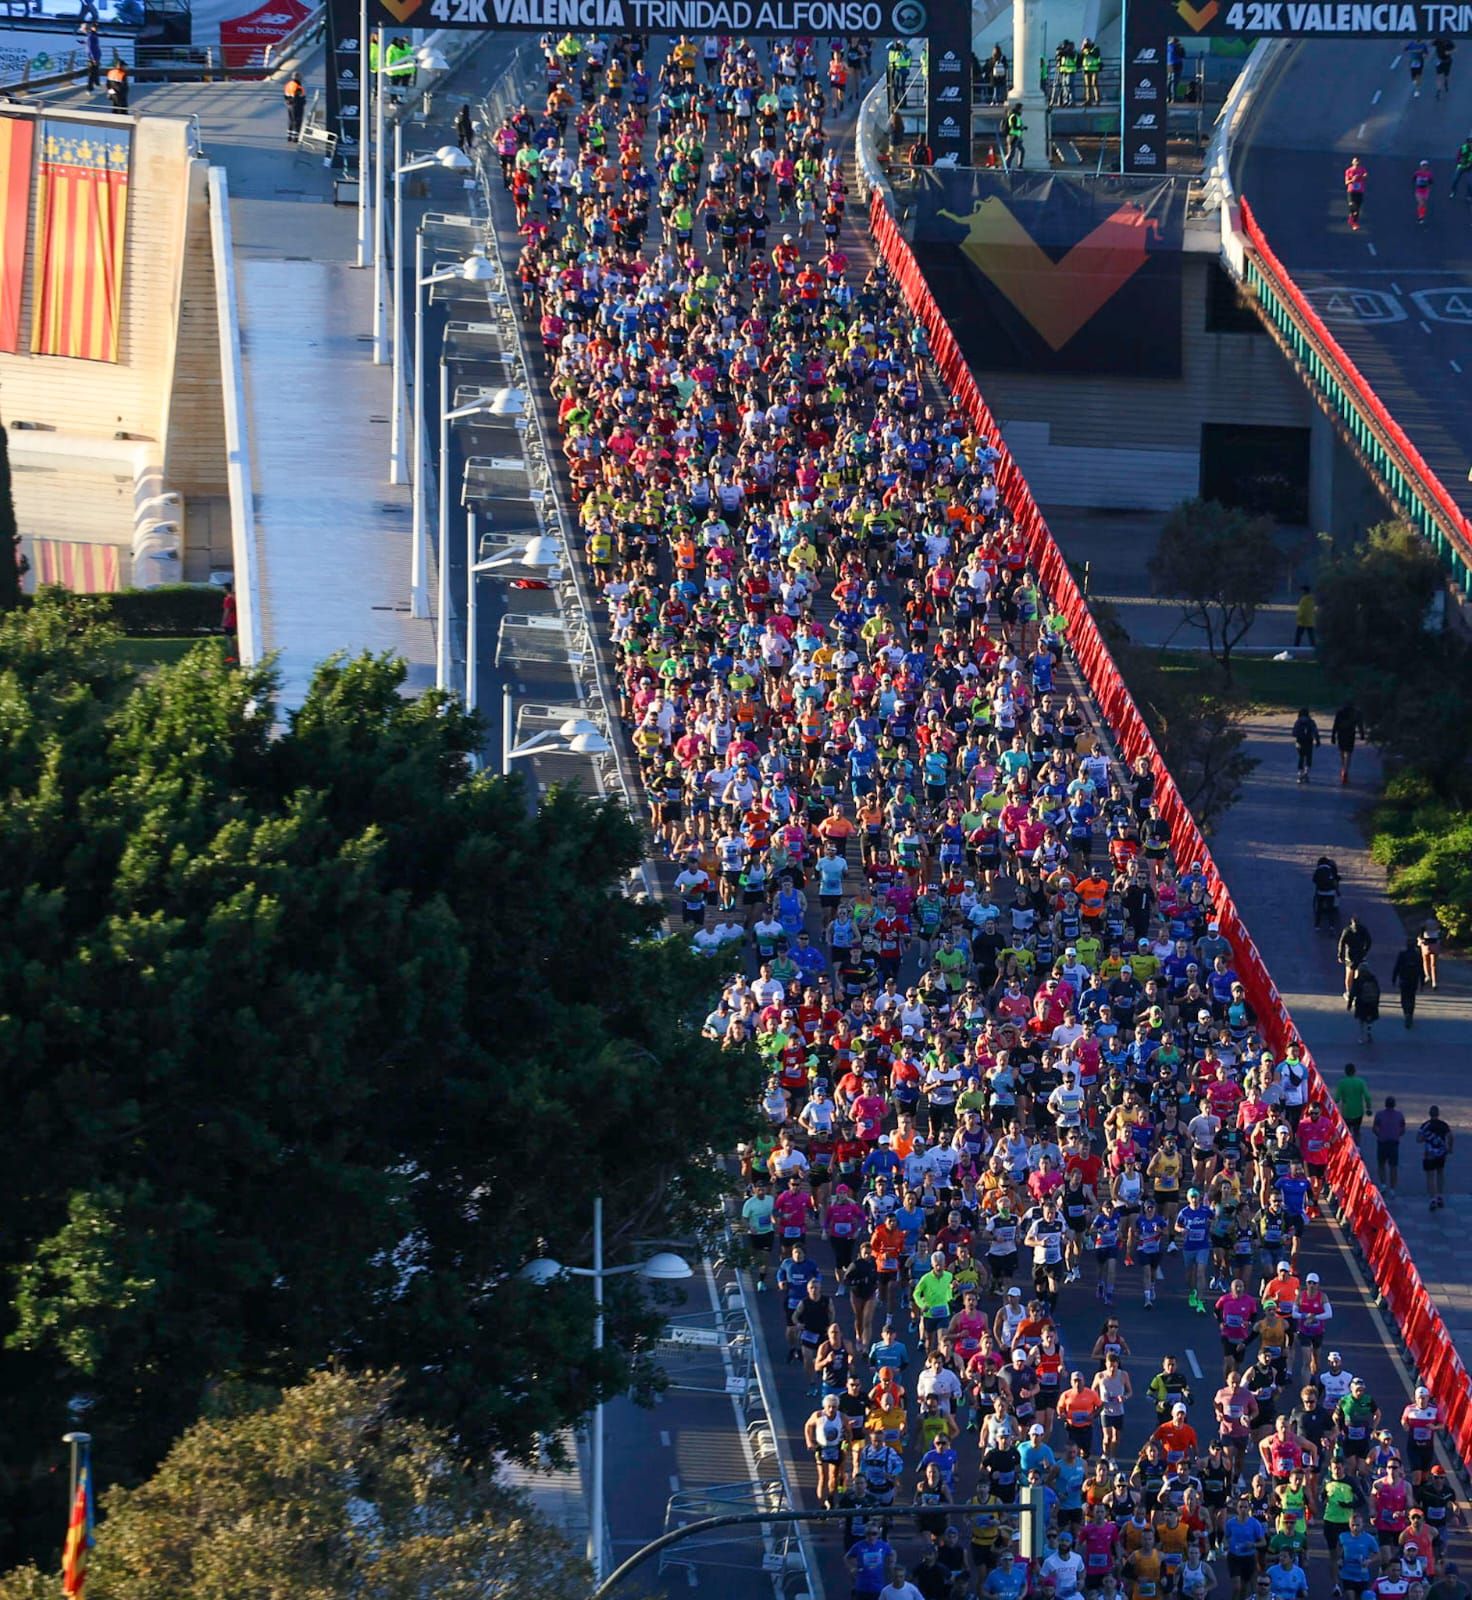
178	610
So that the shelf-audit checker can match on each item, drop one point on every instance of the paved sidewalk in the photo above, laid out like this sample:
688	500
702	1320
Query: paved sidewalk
1266	848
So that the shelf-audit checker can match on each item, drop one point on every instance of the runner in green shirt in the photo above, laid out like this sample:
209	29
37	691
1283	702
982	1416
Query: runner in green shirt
932	1296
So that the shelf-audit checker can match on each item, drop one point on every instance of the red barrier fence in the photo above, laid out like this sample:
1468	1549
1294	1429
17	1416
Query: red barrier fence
1355	381
1365	1212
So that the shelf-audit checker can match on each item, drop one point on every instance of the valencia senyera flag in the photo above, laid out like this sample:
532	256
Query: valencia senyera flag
16	139
78	1537
81	232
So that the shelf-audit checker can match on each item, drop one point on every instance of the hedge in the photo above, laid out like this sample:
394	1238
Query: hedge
1426	843
178	610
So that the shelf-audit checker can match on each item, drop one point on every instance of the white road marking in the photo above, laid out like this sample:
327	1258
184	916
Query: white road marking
1425	326
1371	248
1456	366
1361	133
1193	1363
691	1579
1393	65
1391	1342
674	1483
664	1438
1375	99
1395	287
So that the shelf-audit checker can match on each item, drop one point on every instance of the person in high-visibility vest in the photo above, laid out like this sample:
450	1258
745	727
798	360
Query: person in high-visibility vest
117	85
1090	60
295	95
400	64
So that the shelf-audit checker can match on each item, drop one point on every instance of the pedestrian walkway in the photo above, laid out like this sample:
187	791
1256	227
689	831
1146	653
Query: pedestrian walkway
1266	849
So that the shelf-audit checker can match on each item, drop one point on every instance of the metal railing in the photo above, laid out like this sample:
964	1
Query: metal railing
1342	392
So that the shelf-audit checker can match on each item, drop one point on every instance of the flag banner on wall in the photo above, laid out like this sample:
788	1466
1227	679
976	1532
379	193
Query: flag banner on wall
17	140
1052	275
82	568
81	223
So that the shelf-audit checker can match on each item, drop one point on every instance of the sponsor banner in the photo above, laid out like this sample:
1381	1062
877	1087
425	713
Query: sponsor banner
762	19
1304	19
1143	106
948	85
1052	275
243	40
38	52
343	100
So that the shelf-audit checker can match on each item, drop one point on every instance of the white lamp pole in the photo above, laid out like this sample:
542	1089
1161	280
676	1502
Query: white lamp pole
418	593
397	470
662	1267
471	620
378	293
365	150
442	642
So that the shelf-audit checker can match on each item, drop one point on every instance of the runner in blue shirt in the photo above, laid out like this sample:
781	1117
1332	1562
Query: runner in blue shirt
1193	1223
1149	1241
1286	1579
871	1560
1007	1580
1357	1549
1244	1536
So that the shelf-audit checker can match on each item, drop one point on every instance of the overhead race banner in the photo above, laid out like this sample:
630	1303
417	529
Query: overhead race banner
760	19
1054	275
1300	19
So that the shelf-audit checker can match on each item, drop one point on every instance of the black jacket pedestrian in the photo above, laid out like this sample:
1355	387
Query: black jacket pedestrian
1364	996
1406	974
1354	944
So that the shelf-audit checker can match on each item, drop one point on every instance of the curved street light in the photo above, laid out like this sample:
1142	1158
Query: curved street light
664	1266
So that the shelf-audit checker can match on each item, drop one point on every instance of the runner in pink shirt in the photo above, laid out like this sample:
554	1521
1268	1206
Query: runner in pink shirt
1236	1311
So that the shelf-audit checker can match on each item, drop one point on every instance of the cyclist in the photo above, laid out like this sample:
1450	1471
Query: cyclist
1463	164
1356	174
1416	58
1423	183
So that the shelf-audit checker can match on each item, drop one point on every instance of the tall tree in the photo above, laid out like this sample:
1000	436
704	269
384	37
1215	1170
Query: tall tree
309	1038
1222	565
326	1493
9	531
1381	631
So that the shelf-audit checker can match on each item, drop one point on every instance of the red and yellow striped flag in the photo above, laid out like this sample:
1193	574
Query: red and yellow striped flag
82	568
81	224
78	1539
17	141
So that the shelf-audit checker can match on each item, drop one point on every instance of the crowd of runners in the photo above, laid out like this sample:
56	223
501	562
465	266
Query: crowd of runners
1011	1066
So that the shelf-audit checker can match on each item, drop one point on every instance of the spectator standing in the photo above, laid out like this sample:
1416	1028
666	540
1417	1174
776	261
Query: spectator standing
1090	60
94	58
1406	976
1305	619
464	130
1389	1128
1175	60
1353	1099
1013	129
1435	1138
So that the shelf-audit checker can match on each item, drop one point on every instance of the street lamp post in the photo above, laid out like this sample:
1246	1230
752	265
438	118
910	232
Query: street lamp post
538	553
448	157
575	737
78	1443
378	297
366	88
475	269
662	1267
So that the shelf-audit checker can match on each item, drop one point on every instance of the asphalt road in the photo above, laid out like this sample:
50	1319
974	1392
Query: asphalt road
1396	294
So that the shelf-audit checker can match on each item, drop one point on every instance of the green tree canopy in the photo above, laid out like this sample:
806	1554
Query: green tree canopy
327	1493
308	1038
1381	633
1221	564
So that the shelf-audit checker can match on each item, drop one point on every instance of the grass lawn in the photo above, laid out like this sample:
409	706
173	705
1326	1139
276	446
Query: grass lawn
151	651
1277	685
